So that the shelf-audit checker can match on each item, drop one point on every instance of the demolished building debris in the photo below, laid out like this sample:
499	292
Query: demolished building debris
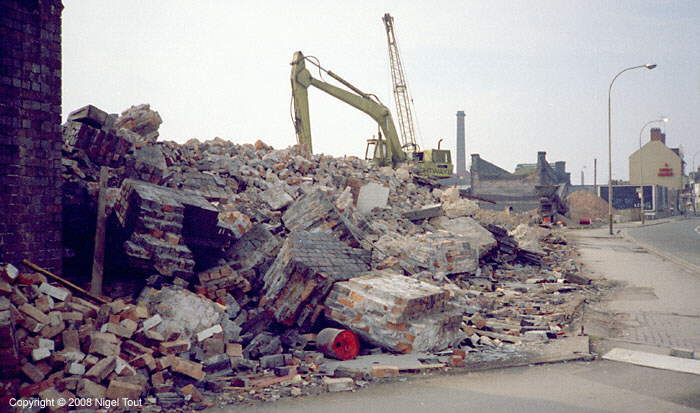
225	260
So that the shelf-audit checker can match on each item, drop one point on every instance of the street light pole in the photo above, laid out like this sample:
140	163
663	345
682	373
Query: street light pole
641	174
610	189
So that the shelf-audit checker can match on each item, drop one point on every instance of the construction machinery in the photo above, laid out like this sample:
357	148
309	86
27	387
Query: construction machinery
402	98
404	103
386	148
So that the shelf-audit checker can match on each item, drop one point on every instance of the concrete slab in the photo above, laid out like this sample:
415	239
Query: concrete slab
657	361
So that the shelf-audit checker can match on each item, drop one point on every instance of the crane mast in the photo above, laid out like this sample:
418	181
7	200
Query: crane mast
404	103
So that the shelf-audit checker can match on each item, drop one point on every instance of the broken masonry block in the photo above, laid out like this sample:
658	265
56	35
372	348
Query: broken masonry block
90	115
142	121
398	313
215	283
102	147
303	273
372	195
147	164
276	197
314	212
429	211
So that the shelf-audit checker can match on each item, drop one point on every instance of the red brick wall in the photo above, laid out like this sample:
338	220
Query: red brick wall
30	136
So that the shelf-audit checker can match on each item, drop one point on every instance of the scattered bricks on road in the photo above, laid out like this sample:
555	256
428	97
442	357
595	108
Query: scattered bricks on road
206	333
174	347
55	292
118	390
456	361
339	384
384	371
186	367
102	368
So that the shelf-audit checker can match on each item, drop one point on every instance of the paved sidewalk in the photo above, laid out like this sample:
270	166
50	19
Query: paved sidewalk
658	304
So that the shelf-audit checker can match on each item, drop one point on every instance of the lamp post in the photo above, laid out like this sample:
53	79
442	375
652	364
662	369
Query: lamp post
610	189
641	174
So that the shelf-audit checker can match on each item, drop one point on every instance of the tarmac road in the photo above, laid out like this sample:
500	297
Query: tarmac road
679	238
601	386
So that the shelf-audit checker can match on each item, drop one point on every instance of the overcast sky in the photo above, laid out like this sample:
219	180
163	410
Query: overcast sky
530	75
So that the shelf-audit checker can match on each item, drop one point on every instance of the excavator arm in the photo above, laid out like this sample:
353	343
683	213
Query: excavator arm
388	152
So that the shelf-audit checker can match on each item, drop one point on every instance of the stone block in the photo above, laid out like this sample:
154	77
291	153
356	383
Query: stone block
339	384
276	197
372	195
396	312
89	115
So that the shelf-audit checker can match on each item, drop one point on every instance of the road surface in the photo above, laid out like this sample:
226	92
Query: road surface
679	238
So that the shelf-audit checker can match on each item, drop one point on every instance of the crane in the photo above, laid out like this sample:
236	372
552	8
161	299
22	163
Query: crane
404	103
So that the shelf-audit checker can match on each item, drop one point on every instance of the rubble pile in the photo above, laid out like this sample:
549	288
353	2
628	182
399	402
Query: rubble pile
235	256
585	204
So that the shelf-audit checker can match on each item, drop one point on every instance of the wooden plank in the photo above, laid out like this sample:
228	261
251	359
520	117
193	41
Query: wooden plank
63	281
98	256
657	361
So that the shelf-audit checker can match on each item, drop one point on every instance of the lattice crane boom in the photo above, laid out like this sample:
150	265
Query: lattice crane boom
404	103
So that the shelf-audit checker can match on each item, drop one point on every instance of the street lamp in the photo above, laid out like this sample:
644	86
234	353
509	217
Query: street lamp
641	158
610	189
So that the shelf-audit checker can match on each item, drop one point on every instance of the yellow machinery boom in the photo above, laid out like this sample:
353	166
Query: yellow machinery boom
387	150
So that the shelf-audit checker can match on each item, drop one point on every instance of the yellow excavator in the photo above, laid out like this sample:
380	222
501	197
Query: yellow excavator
386	148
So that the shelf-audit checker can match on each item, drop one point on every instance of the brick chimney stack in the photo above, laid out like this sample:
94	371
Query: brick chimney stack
657	135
